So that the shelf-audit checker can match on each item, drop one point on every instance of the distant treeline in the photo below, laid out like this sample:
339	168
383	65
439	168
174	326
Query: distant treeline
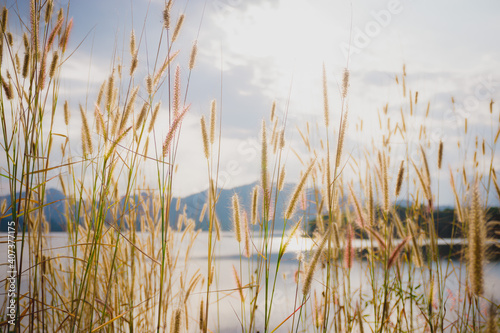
446	223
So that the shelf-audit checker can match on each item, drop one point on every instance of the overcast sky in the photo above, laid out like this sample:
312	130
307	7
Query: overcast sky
260	51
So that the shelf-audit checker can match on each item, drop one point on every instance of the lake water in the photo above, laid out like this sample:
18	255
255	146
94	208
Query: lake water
284	303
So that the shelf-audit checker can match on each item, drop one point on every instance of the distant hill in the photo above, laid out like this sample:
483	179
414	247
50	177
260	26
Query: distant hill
54	212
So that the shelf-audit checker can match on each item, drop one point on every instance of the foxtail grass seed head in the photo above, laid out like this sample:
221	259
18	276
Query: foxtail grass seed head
426	166
10	39
7	88
66	113
325	97
176	322
128	109
340	143
5	16
53	34
203	211
440	154
133	64
264	181
142	115
385	183
26	42
171	132
26	65
192	57
86	138
281	181
177	91
491	321
149	84
236	217
18	63
53	64
238	284
166	15
359	212
63	42
206	148
202	314
34	26
213	119
246	234
49	10
255	204
476	248
133	46
312	265
400	178
43	71
155	115
282	139
345	83
109	91
178	27
60	15
296	193
100	127
395	253
292	234
273	111
348	249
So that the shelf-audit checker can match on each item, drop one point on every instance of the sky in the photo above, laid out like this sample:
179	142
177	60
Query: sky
251	53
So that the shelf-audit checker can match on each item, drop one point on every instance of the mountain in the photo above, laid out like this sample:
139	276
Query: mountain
55	200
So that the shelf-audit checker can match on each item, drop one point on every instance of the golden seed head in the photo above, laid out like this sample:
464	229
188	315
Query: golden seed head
178	27
149	84
348	249
440	154
171	132
133	64
312	265
109	91
281	181
476	248
53	64
177	91
213	118
255	205
264	175
345	83
192	58
153	118
26	65
296	193
142	115
48	10
166	15
63	42
273	111
66	113
133	46
86	138
10	39
9	91
5	15
400	178
206	148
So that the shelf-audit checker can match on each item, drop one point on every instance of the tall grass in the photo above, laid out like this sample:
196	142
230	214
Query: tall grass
117	278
